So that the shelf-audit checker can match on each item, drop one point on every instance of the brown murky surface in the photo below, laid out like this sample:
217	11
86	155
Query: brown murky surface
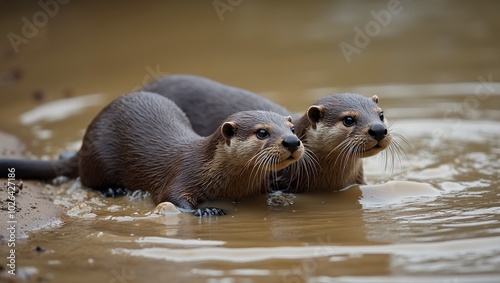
434	64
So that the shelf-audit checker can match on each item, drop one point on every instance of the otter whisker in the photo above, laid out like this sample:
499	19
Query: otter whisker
275	169
397	153
390	152
401	138
266	165
271	163
340	154
259	168
347	157
255	174
295	176
255	157
343	146
343	152
310	163
252	160
273	166
335	148
393	158
303	170
353	153
302	137
312	157
385	159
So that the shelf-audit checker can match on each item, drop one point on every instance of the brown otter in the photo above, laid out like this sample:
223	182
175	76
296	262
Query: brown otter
337	131
144	141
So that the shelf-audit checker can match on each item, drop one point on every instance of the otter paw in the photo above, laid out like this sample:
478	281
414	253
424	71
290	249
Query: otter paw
113	192
209	211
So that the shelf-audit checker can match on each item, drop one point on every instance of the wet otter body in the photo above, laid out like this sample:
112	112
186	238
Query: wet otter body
144	141
207	102
337	131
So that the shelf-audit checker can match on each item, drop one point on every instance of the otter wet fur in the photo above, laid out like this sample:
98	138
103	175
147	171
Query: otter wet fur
207	102
337	130
144	141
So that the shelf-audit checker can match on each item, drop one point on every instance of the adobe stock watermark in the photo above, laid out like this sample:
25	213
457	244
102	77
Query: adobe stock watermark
30	28
463	110
123	277
300	273
11	220
373	28
223	6
151	76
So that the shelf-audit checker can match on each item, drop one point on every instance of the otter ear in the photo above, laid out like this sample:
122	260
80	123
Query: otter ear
228	131
289	118
315	113
375	99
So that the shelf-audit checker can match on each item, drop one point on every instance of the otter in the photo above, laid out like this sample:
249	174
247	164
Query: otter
337	130
144	141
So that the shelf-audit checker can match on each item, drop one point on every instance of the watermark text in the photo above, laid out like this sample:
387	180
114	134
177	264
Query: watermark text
11	221
31	26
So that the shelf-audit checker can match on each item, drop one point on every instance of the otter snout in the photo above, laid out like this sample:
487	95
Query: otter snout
291	143
377	131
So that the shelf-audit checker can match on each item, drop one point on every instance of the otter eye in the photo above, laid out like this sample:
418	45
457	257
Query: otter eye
293	130
348	121
381	115
262	134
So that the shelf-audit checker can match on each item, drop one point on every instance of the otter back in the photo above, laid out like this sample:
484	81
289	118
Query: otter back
130	139
201	98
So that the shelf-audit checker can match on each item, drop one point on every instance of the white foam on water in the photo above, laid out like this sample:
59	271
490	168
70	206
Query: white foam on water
408	279
60	109
451	248
395	192
179	242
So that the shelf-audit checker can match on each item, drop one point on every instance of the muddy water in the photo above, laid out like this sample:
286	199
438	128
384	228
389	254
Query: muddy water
433	216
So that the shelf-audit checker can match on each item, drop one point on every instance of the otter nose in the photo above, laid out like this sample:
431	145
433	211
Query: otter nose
377	131
291	143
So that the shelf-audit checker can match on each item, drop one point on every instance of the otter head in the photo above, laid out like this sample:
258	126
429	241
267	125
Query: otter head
261	139
348	124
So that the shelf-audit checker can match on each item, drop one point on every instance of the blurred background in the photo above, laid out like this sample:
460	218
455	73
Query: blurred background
292	52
